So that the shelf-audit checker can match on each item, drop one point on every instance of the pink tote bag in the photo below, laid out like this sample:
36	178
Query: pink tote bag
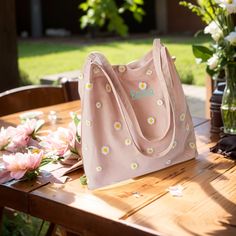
135	118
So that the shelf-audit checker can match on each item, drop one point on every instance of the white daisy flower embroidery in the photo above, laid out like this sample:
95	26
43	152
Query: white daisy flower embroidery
117	125
134	166
182	117
88	86
174	144
128	141
105	150
142	85
150	150
192	145
88	123
81	76
98	105
108	88
121	69
159	102
98	168
151	120
168	162
148	72
96	70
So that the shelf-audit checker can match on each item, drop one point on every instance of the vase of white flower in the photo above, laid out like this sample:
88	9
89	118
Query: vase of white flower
220	54
228	106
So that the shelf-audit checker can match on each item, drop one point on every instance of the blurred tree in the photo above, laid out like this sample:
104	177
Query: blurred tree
99	13
9	74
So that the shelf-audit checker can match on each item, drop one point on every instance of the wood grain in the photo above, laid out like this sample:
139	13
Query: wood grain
125	199
208	205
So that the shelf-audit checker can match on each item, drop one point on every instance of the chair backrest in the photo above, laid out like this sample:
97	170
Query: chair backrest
71	89
30	97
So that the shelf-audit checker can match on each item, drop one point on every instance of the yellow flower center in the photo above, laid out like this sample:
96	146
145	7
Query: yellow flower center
89	86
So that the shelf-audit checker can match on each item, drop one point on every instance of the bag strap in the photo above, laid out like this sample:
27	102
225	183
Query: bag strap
124	104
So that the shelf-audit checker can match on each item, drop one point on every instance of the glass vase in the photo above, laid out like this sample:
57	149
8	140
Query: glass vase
228	106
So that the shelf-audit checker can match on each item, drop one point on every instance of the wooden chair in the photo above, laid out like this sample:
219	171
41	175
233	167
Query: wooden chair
30	97
70	88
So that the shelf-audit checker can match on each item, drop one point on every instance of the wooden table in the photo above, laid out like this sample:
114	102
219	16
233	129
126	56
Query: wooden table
141	206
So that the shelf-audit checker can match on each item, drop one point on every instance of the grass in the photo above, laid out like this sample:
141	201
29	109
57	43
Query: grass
21	224
37	59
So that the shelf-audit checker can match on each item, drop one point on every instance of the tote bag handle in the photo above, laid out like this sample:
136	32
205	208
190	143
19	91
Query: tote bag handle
124	104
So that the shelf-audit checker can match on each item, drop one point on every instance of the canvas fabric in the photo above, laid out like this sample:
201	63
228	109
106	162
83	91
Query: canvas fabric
135	119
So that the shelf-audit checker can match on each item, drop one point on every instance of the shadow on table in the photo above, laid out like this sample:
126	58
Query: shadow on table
153	197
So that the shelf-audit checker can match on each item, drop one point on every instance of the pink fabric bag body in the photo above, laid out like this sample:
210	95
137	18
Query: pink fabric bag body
135	118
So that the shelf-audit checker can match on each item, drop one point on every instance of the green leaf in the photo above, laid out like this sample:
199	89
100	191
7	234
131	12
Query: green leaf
202	52
84	6
75	118
100	13
209	71
83	180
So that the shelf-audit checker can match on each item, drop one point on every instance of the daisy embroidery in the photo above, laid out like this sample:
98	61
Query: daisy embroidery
151	120
105	150
108	88
142	85
117	125
128	141
88	86
150	150
98	105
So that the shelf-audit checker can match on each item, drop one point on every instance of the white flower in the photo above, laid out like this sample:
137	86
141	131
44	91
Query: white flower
150	150
88	86
142	85
128	141
198	60
214	30
229	5
231	38
213	61
105	150
151	120
117	125
108	88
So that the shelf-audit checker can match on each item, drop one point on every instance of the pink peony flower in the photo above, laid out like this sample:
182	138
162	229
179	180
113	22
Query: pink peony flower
27	127
4	138
18	164
18	142
30	127
22	135
58	141
72	129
